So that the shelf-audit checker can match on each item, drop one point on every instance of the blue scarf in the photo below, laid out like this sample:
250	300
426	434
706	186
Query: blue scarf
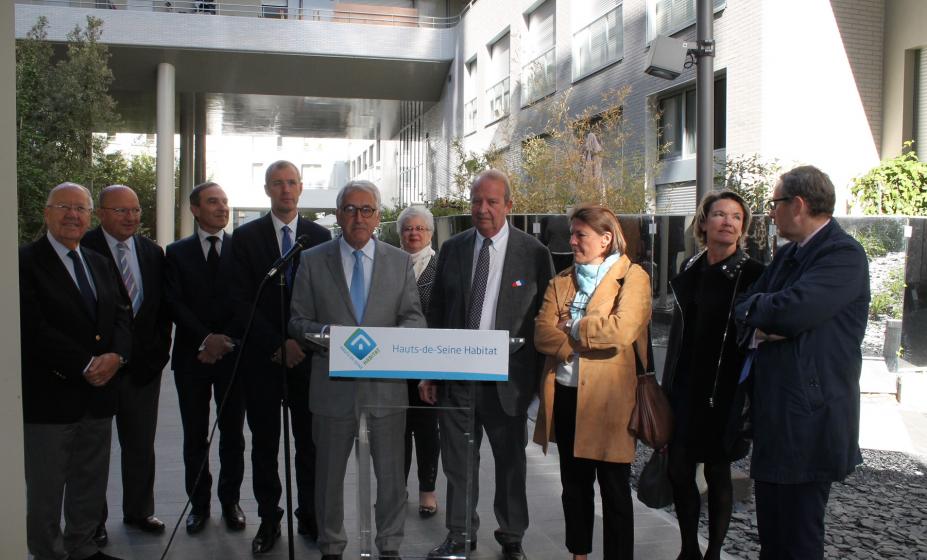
588	277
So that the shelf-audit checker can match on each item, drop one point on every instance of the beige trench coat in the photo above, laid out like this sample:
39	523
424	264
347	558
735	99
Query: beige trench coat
616	317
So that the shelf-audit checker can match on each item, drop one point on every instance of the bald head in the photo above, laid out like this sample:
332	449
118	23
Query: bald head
67	213
119	211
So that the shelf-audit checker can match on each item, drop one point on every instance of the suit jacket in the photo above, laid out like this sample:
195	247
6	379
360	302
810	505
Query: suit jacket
199	305
59	336
253	253
321	297
806	387
151	326
525	273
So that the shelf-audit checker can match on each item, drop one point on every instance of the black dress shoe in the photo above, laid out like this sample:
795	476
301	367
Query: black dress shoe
306	525
331	557
513	551
389	555
266	536
100	536
150	524
196	521
451	548
101	556
234	517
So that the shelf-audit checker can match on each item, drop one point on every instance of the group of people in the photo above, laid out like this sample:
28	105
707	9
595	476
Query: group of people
96	331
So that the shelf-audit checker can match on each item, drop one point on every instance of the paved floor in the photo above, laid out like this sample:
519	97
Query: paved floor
656	536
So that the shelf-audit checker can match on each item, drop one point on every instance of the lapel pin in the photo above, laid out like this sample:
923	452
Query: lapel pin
518	284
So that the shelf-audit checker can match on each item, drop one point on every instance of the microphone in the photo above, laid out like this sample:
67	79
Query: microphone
301	242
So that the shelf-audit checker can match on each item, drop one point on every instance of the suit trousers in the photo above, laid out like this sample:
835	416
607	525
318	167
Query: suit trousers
790	519
422	428
578	476
263	393
195	389
334	437
136	424
69	464
508	437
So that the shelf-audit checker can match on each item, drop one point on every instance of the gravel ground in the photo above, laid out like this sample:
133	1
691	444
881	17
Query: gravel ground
879	271
879	512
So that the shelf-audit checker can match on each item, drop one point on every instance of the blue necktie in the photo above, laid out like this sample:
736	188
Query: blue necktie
83	284
358	290
285	246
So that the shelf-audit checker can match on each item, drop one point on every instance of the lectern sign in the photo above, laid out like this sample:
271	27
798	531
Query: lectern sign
395	353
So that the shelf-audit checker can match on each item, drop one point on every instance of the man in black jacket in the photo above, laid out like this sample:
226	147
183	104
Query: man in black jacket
140	263
197	293
75	327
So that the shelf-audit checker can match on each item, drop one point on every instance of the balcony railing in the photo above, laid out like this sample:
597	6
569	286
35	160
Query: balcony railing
498	96
537	77
341	13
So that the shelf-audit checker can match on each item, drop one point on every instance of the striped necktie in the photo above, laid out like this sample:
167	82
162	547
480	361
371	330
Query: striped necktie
135	295
478	288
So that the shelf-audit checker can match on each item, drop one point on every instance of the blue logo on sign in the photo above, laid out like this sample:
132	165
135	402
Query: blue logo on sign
359	344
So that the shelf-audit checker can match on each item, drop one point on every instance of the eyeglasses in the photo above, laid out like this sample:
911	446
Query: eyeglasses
775	201
123	212
420	229
83	211
365	211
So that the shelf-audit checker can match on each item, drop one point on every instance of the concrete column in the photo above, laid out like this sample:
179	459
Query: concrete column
187	115
12	476
165	164
199	132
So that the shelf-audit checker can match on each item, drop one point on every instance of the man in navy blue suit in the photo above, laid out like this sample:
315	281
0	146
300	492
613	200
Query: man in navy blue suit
197	294
257	245
805	317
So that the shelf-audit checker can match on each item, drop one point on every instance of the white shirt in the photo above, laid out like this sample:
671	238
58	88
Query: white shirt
278	227
347	262
62	252
497	250
204	241
131	255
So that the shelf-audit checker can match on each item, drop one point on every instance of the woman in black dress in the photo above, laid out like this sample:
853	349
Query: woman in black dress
416	226
702	370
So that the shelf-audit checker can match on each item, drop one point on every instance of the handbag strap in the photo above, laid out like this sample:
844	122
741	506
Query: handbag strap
641	370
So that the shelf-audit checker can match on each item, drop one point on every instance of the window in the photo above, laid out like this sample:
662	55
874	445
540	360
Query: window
665	17
257	175
677	121
537	76
498	94
599	43
470	109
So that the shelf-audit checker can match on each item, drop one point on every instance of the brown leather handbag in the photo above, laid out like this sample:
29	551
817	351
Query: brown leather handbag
652	418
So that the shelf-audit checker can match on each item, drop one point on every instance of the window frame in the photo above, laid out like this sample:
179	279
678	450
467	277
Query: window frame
577	76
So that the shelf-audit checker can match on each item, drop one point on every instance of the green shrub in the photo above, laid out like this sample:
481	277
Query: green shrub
872	244
895	186
889	301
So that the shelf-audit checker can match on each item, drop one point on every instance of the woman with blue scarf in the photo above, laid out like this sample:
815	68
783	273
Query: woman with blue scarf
593	315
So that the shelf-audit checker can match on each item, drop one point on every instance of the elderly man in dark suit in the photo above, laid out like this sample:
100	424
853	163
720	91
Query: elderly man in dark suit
491	276
356	280
805	317
140	263
198	271
75	325
257	245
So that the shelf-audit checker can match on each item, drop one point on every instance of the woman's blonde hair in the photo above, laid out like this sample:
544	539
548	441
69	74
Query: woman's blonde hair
601	220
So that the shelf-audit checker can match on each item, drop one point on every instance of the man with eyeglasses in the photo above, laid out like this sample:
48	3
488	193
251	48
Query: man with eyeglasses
804	318
140	263
76	334
257	245
356	280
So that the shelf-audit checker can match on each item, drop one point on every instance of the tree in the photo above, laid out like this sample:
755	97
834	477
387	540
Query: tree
895	186
59	105
750	176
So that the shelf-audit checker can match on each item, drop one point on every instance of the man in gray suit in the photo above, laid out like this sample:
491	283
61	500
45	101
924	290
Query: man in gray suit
491	276
356	280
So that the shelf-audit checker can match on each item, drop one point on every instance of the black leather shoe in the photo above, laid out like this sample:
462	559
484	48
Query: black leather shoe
513	551
306	525
331	557
150	524
389	555
100	536
100	556
451	548
266	536
196	521
234	517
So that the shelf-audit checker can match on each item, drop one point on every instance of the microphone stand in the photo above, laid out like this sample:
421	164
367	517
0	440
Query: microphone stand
285	403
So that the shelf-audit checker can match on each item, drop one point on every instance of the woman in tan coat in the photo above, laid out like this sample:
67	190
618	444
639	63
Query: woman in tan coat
593	315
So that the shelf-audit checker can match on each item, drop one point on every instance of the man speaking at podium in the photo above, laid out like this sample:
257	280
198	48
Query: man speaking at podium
356	280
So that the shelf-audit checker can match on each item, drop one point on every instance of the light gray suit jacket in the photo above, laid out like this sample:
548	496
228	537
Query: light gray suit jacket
321	297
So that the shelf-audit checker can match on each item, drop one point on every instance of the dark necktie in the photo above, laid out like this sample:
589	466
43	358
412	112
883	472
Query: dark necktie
285	245
212	258
478	288
83	283
128	279
358	286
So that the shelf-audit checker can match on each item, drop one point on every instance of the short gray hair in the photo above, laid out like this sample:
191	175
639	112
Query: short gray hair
813	185
277	165
416	212
493	175
69	185
358	185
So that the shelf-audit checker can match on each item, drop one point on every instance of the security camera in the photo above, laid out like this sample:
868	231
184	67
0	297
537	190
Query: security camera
666	58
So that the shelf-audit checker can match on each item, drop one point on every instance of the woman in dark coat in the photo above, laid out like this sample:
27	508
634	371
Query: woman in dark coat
703	364
416	226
